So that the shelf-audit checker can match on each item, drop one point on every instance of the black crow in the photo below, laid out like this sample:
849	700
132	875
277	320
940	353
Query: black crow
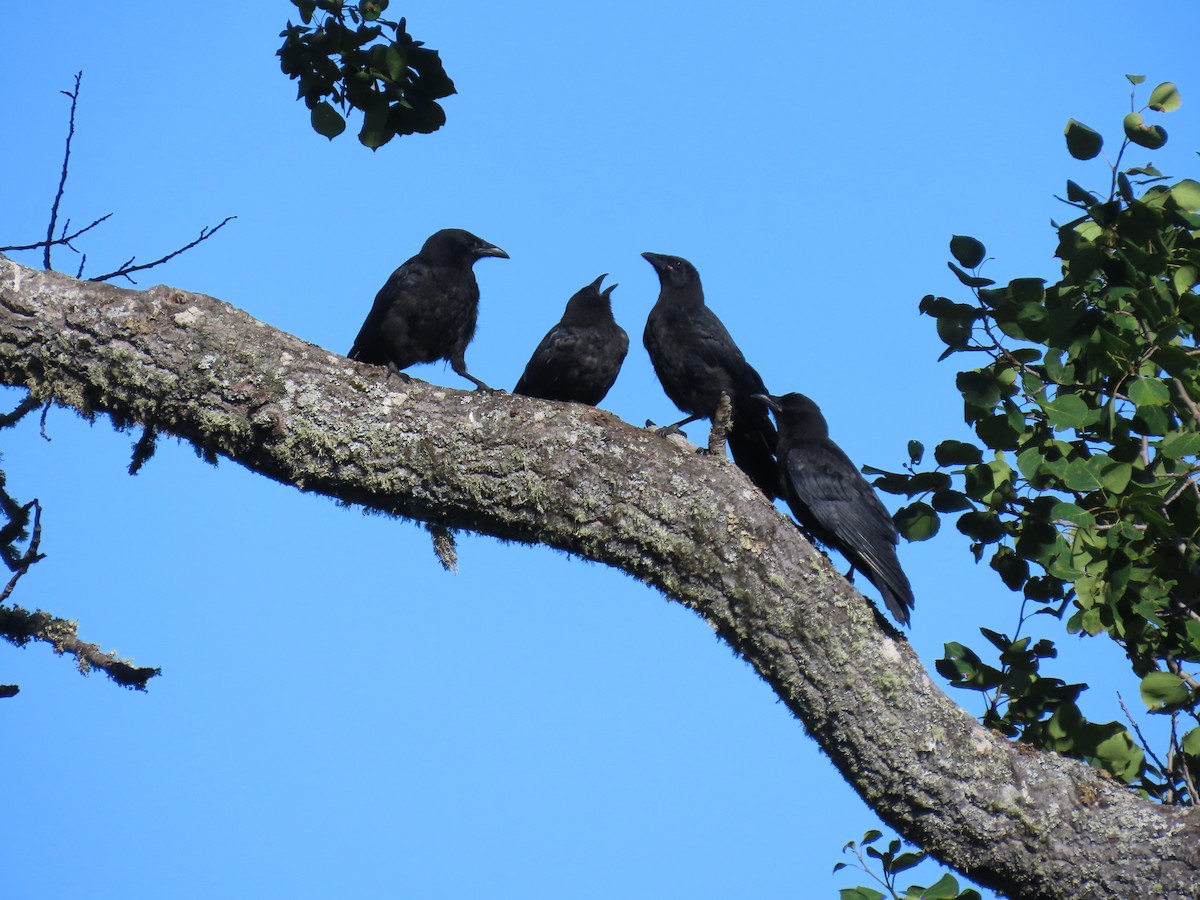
696	361
579	358
427	310
831	499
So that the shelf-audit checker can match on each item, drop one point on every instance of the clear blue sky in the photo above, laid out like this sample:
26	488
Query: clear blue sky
339	717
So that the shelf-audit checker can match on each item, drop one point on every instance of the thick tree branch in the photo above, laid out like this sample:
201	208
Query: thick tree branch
581	480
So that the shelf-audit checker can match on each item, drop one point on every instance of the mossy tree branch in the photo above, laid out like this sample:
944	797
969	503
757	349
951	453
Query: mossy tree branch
582	480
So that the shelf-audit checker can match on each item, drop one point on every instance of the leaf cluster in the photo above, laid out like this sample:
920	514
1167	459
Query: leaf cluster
1080	485
341	59
892	862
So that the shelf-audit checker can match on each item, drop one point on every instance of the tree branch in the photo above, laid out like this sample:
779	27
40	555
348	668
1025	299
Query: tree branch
581	480
20	626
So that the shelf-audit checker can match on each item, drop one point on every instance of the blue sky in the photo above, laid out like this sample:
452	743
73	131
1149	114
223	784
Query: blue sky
339	717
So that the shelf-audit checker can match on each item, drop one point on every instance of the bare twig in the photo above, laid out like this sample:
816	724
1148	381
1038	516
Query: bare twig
42	424
1141	737
125	269
20	626
1178	488
1176	669
1179	761
64	239
62	181
1186	399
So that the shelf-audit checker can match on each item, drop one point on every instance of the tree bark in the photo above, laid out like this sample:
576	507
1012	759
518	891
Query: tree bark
1025	823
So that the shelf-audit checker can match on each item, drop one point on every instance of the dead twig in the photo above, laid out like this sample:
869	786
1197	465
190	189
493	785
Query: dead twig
127	267
62	181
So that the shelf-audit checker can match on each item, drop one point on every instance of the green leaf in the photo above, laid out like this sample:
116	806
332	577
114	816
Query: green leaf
917	522
1070	512
307	8
375	130
945	888
1119	755
1078	194
985	526
963	668
1165	98
1082	142
1164	690
1079	476
1150	136
998	432
1067	411
1115	476
1191	742
968	251
1028	290
1184	279
957	453
1125	188
1179	444
971	281
860	893
1012	569
1028	461
1187	195
1149	392
905	861
1136	79
327	121
979	388
951	501
916	452
869	837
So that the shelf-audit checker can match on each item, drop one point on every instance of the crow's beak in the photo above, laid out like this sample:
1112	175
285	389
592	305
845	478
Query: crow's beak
595	285
768	401
491	250
655	259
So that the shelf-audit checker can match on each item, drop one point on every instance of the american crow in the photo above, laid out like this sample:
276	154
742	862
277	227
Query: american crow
832	500
427	310
579	358
696	361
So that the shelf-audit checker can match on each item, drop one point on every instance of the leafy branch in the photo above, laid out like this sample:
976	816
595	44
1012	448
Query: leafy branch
344	61
1081	488
892	862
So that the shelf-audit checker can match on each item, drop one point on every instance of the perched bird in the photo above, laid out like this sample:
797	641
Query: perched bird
696	361
427	310
579	358
832	500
